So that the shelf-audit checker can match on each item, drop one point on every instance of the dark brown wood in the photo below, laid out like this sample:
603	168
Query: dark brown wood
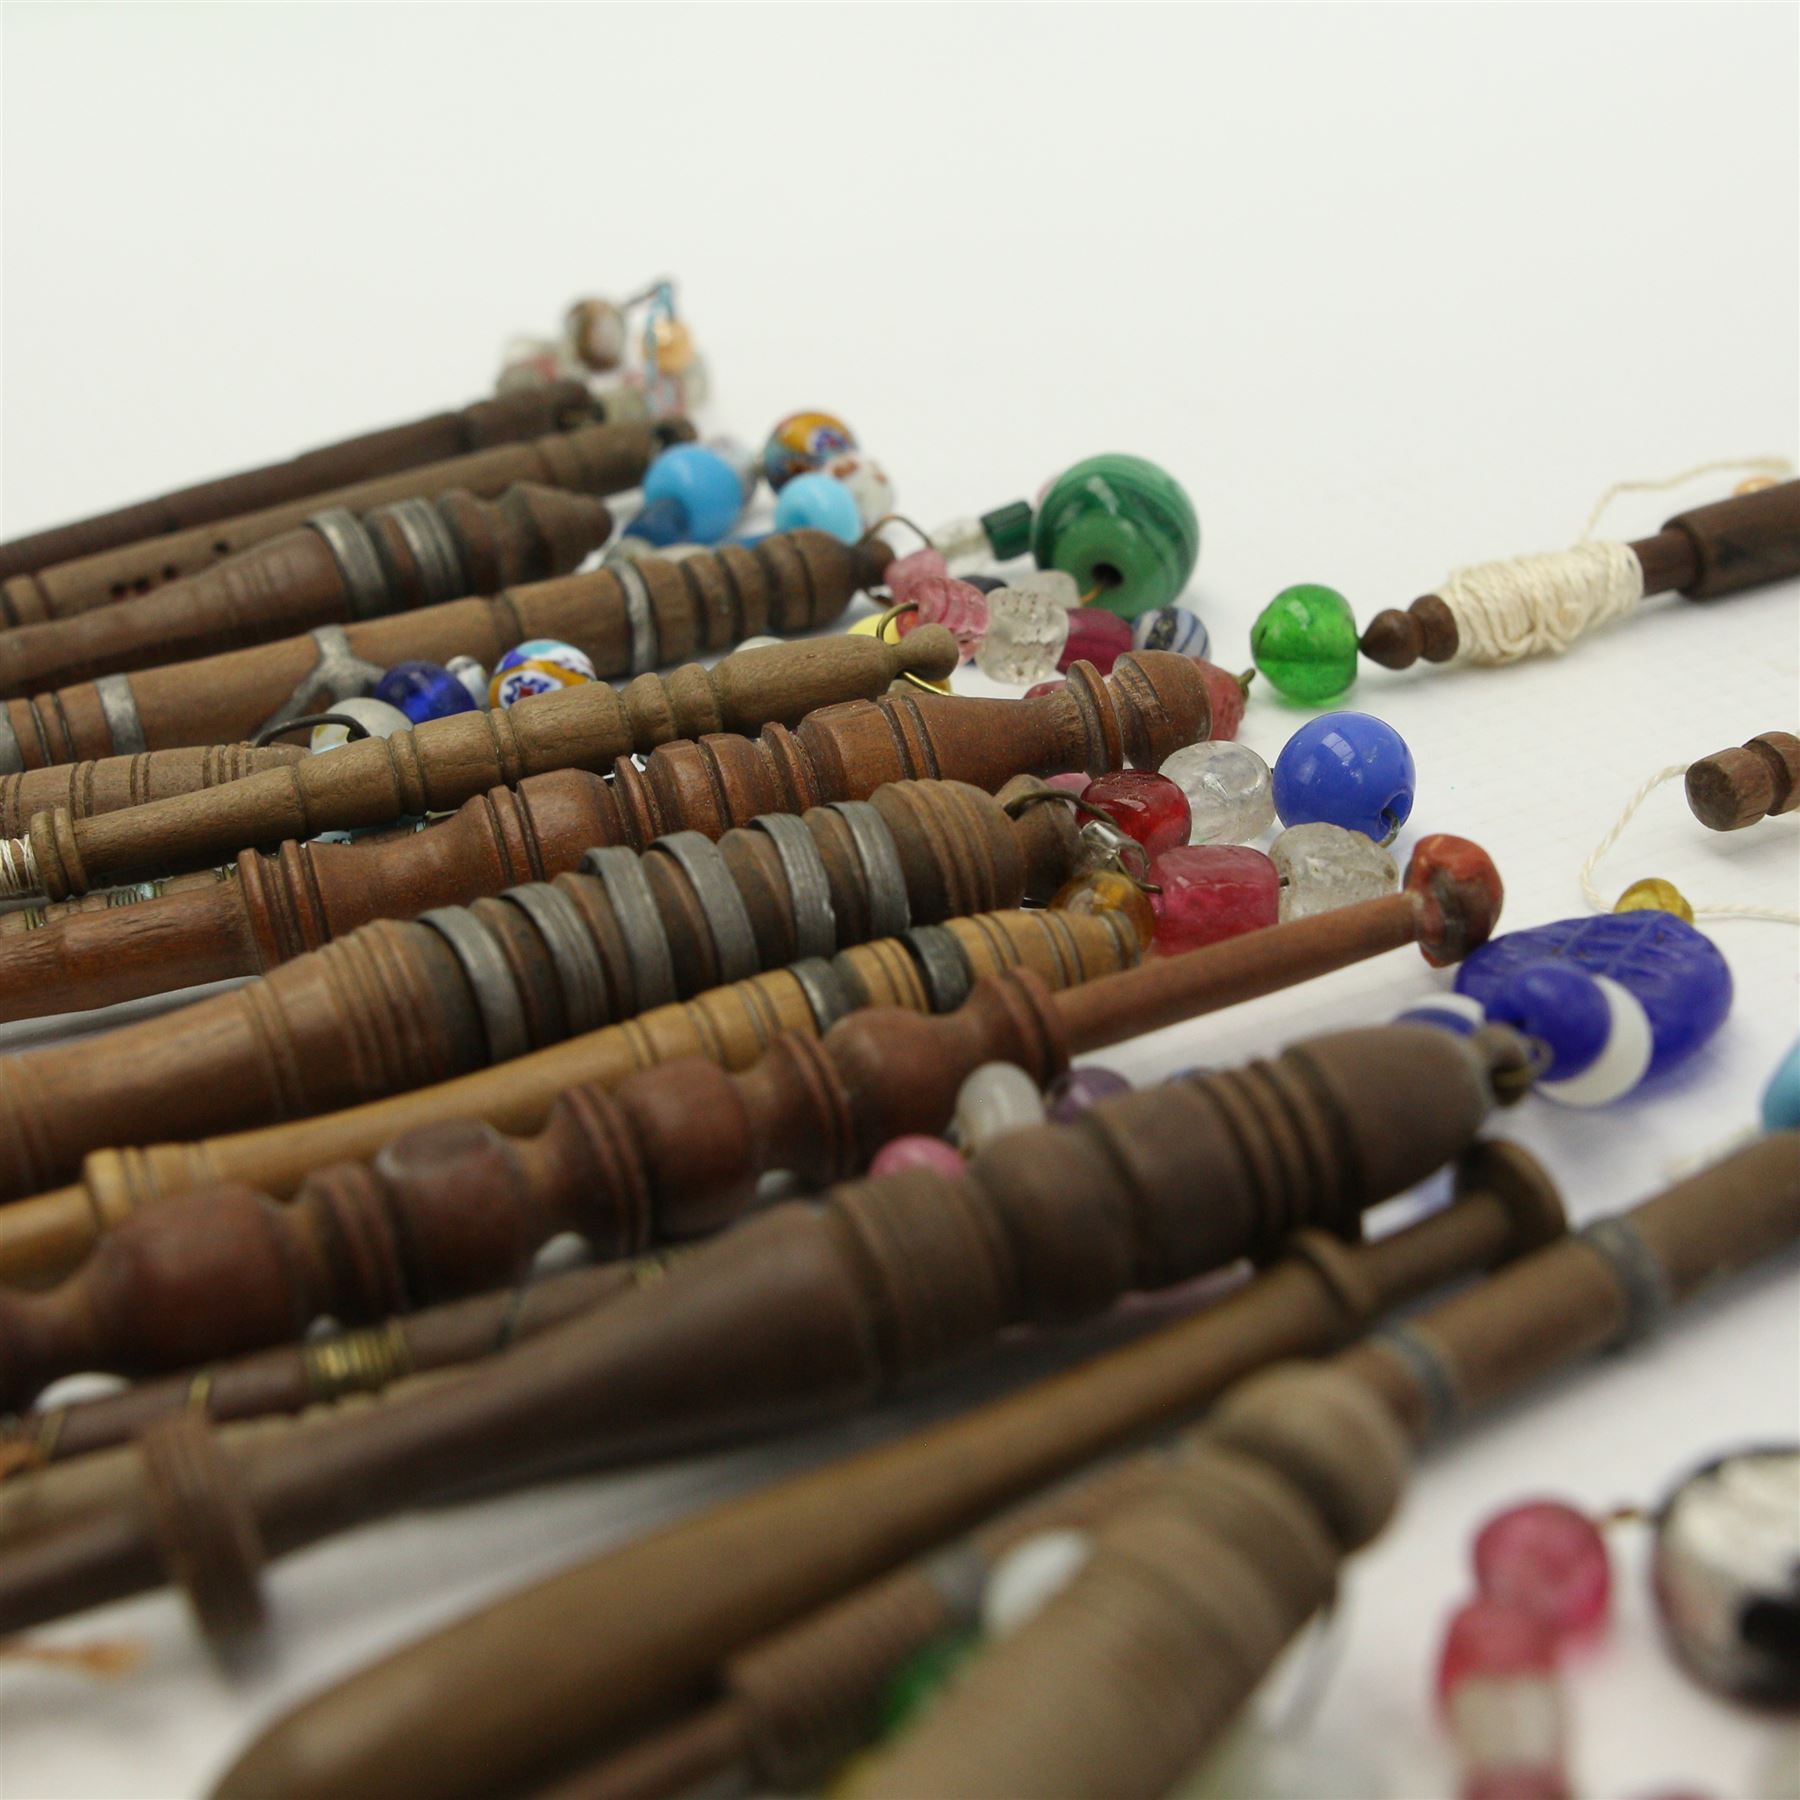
85	788
394	1006
333	570
809	1310
508	419
305	894
589	459
1193	1588
1734	788
1707	553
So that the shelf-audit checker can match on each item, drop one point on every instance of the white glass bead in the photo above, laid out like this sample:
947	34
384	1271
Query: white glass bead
380	719
962	544
1029	1576
1025	635
1323	867
993	1100
1621	1065
473	677
1230	791
867	481
1508	1721
760	643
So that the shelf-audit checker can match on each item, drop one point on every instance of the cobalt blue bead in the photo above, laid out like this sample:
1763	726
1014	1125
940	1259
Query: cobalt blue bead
1674	972
1444	1014
1560	1005
424	690
1346	769
821	502
707	489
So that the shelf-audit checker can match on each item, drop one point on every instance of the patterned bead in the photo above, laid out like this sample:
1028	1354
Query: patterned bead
803	441
1029	1576
867	481
1075	1090
1109	891
994	1100
1024	637
538	666
915	1152
1349	769
547	650
1210	892
1549	1559
1230	792
1323	867
1098	637
816	502
1120	524
1304	642
1176	628
1145	806
424	690
1655	895
377	717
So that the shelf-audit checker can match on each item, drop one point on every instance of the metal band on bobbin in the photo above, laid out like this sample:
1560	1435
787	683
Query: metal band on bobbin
1634	1266
351	547
815	924
119	705
890	911
628	892
645	652
580	978
733	936
826	991
943	966
433	550
490	980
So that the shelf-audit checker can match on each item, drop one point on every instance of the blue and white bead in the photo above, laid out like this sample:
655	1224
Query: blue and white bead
1176	628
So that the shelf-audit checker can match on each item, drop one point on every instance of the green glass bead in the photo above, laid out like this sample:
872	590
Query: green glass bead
918	1680
1304	642
1008	529
1122	525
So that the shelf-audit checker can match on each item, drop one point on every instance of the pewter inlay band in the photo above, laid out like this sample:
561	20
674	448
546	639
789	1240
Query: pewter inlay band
1634	1267
942	964
634	906
578	970
826	992
349	542
815	924
644	650
12	759
119	705
433	549
734	938
497	1000
890	912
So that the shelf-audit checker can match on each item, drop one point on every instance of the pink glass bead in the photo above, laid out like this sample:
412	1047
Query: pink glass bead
1047	687
904	572
1144	805
1209	892
1487	1638
942	600
1096	636
1549	1559
1544	1783
1227	698
1070	784
903	1153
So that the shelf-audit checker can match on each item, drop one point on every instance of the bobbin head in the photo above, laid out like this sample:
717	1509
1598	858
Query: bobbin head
1459	892
1163	705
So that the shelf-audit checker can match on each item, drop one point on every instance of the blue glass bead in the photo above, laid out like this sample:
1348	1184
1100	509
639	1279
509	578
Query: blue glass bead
424	690
1561	1006
1673	971
1177	628
1348	769
819	502
1781	1098
1448	1012
694	488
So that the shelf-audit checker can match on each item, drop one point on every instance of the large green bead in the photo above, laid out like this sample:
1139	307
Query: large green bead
1122	525
918	1680
1304	642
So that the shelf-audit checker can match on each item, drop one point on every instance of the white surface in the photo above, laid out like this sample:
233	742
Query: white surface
1390	289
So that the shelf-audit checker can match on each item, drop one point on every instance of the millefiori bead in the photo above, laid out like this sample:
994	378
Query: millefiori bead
993	1100
1323	867
1230	791
1348	769
1094	636
1304	642
1024	637
539	666
801	442
1209	892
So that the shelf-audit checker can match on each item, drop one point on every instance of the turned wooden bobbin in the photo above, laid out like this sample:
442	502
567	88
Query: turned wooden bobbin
1734	788
114	782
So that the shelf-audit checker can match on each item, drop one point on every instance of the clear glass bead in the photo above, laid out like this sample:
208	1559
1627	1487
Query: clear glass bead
1025	635
962	544
996	1099
1230	791
1054	584
1323	867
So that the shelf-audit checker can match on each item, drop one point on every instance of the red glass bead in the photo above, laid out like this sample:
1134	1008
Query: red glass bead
1549	1559
1539	1783
1209	892
1095	636
1071	784
1487	1638
1227	696
1144	805
916	1152
906	571
1045	687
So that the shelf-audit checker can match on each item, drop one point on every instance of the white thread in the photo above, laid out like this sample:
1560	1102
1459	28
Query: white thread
1774	915
1539	605
1762	465
18	868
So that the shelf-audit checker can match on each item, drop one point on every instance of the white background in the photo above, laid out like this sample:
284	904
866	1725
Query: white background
1391	289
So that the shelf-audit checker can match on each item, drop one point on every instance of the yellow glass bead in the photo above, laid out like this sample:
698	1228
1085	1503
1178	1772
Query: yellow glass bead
674	346
1104	891
1754	484
1653	894
871	627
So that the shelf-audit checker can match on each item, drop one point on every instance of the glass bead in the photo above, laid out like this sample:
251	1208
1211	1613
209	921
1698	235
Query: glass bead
1226	692
1323	867
1454	1013
1053	584
920	1678
815	502
803	441
1076	783
1653	894
1029	1576
1304	642
1098	637
530	363
473	675
1781	1098
1175	628
1024	637
960	608
760	643
377	717
672	343
423	690
1563	1007
1075	1090
547	650
1008	529
986	583
1551	1560
867	481
1349	769
1109	891
1145	806
994	1101
905	571
1230	792
538	666
1487	1638
1045	687
963	544
695	494
1211	892
744	463
1120	524
916	1152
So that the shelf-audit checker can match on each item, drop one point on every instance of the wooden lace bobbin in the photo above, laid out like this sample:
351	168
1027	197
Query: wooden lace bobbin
308	893
395	1006
902	1275
1207	1595
798	1701
626	618
1707	553
452	1210
590	459
110	783
1734	788
337	568
511	418
1448	905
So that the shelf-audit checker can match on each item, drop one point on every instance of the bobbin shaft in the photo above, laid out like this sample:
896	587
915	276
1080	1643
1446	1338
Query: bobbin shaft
111	783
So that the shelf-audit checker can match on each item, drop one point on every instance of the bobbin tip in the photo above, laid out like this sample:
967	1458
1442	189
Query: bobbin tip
930	651
1460	891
